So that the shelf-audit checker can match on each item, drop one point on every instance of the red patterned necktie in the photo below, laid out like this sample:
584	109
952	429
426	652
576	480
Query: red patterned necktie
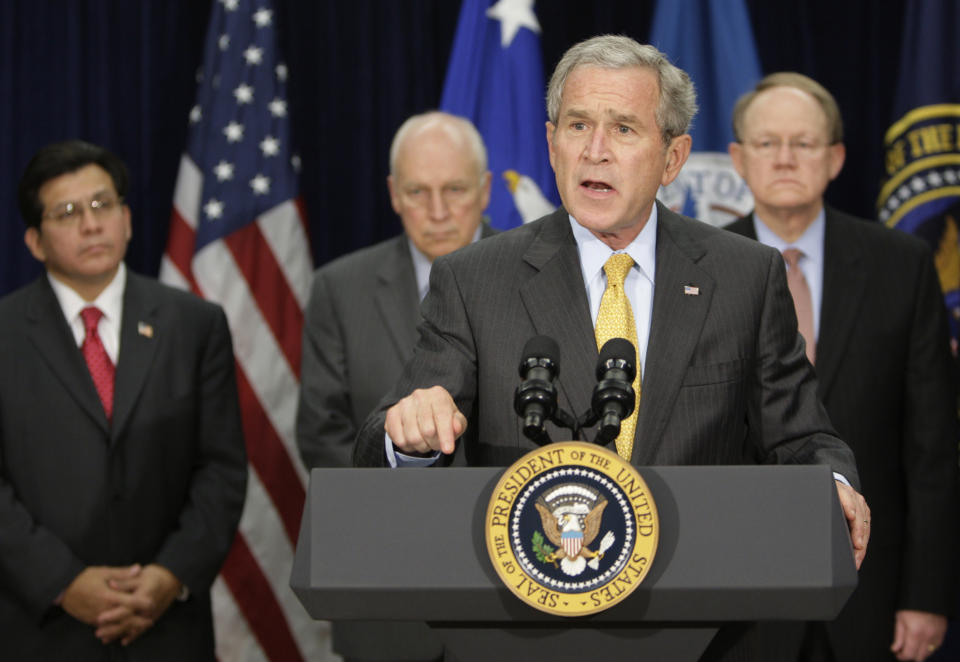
802	301
98	362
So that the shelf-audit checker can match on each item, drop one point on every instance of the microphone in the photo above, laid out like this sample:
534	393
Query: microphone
613	397
535	400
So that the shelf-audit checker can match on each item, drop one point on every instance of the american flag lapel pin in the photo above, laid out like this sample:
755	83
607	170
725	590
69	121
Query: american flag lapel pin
145	330
691	290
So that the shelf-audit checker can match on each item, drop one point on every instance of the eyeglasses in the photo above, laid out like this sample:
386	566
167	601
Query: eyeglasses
69	213
801	148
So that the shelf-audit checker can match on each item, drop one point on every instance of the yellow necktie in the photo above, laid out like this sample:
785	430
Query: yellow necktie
616	321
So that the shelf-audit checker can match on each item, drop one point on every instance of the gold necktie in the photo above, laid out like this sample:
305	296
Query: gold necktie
616	321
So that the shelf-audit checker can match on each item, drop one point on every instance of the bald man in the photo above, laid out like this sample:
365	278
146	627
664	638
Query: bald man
361	320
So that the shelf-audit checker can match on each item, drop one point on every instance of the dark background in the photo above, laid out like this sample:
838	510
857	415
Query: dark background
121	73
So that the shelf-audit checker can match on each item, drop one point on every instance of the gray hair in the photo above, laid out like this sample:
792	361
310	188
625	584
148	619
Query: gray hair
677	103
797	81
416	123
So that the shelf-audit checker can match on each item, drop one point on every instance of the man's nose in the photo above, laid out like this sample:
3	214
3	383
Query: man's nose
88	221
596	150
438	206
785	155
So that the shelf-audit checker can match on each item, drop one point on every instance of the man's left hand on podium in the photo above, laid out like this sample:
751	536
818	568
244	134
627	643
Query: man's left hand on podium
857	512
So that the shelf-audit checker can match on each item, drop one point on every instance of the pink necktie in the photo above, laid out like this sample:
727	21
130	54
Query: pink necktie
98	362
802	301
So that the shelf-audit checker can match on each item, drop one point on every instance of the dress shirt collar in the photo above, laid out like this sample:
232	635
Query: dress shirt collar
110	303
810	243
594	253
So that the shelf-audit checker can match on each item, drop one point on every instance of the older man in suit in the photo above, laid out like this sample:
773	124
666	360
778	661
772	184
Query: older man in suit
361	320
873	317
724	378
122	466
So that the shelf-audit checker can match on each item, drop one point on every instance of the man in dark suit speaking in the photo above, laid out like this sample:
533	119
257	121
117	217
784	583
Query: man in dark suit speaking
122	465
361	321
869	304
724	377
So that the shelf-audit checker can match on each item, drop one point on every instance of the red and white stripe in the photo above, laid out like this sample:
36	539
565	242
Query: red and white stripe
261	276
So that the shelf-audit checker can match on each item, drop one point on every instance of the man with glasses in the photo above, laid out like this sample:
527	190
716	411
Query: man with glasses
360	324
122	463
870	309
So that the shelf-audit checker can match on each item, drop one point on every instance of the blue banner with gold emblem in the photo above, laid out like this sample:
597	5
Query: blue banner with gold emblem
495	78
921	193
712	40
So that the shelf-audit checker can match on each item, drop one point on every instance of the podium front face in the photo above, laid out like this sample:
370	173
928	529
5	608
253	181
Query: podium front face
736	544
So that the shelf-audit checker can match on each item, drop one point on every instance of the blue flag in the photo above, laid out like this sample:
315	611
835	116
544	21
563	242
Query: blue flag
495	79
713	42
921	193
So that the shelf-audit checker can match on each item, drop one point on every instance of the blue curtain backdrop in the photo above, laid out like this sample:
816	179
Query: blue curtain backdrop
121	73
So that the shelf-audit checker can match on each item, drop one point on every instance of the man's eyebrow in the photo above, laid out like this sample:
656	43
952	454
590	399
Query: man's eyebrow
627	118
576	113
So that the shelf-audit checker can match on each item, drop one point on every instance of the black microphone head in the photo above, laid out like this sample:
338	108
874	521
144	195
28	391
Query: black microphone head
620	353
537	348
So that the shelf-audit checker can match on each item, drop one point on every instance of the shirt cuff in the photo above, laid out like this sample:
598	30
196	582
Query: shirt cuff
397	459
841	478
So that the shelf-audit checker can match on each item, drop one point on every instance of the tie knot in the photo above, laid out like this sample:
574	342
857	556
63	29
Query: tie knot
792	256
91	317
617	267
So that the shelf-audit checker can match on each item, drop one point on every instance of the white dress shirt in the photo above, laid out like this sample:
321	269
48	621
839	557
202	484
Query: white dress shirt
110	303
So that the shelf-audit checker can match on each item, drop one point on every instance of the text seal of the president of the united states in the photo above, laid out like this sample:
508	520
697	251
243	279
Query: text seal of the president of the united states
571	528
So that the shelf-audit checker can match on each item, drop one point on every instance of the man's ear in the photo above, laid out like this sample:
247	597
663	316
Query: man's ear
394	194
735	150
551	129
677	153
32	239
837	154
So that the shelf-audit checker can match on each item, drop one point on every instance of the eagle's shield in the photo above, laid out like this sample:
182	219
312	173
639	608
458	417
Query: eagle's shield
572	542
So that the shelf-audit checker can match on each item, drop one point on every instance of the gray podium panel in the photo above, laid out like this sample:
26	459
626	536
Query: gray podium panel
736	543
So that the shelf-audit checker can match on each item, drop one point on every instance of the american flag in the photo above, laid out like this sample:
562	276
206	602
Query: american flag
238	237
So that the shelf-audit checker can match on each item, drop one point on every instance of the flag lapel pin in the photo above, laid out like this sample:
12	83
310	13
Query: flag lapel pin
691	290
145	330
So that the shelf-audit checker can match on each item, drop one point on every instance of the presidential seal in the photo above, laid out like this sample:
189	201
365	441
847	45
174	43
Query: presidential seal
571	528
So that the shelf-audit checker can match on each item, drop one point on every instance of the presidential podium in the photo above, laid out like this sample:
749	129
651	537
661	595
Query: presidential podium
736	544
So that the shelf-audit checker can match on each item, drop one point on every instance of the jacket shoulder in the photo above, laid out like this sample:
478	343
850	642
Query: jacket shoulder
174	298
364	260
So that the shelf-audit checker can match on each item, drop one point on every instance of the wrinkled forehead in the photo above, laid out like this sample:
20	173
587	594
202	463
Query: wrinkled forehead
785	109
438	148
617	92
85	182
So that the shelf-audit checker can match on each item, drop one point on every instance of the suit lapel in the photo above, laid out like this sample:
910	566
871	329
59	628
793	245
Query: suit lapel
57	346
556	300
396	298
744	226
674	331
844	284
140	333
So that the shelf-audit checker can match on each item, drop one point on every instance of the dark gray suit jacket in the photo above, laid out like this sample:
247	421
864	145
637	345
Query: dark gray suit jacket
164	484
886	379
359	330
726	381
